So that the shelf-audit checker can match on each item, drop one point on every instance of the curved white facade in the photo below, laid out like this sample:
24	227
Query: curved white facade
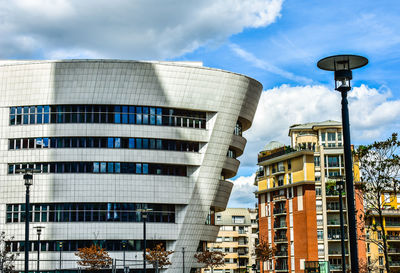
188	180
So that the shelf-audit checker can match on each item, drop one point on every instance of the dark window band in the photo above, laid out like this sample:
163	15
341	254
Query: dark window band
101	168
103	142
114	114
73	245
91	212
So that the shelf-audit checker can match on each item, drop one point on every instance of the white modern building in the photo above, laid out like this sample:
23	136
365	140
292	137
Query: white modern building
111	138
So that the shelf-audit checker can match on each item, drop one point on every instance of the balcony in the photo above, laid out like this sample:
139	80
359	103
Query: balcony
394	264
335	223
394	251
281	225
281	254
334	206
279	197
280	239
337	252
335	237
279	211
393	237
278	170
335	267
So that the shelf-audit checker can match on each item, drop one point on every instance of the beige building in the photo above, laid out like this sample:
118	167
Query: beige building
236	238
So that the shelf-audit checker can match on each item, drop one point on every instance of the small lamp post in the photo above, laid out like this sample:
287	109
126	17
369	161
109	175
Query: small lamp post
144	217
342	66
123	249
39	232
28	178
340	188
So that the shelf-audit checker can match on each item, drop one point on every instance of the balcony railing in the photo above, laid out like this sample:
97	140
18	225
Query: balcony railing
280	239
335	266
336	252
394	263
394	250
280	197
395	224
335	237
279	210
335	223
281	254
334	206
393	237
280	225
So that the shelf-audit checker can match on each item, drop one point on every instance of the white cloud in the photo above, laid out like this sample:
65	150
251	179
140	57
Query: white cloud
126	29
373	116
243	193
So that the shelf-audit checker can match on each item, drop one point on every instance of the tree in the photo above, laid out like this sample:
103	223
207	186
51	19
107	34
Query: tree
158	256
94	257
380	170
264	251
210	258
7	258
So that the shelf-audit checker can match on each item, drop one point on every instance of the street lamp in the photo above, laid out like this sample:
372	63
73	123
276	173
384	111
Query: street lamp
123	248
342	65
144	217
340	188
28	178
39	232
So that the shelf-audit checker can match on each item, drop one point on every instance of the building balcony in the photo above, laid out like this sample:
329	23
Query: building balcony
394	251
279	198
280	225
335	267
393	238
336	237
394	264
281	254
279	211
334	223
280	239
338	252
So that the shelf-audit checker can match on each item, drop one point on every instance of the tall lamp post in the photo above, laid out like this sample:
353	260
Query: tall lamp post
39	232
144	217
340	188
342	66
28	178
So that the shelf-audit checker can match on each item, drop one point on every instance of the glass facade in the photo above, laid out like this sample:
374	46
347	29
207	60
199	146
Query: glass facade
103	142
115	114
73	245
101	168
91	212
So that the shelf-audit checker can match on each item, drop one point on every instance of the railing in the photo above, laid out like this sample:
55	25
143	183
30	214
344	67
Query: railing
336	237
394	250
393	237
336	252
280	239
394	263
335	266
281	253
389	224
280	225
335	223
280	197
279	210
334	206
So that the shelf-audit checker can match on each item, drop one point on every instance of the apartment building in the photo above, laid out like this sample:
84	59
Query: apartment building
374	235
298	200
237	238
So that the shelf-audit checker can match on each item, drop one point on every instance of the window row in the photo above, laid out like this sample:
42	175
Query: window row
103	142
101	167
118	114
91	212
73	245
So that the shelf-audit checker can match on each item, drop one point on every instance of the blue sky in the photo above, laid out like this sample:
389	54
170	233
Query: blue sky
274	41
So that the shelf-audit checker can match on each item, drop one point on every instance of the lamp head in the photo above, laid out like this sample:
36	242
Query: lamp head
39	229
342	66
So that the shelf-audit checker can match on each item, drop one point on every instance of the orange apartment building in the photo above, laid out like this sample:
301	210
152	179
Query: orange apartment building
298	200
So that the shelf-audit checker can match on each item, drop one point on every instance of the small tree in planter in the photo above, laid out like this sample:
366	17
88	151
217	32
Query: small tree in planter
93	257
158	256
211	259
